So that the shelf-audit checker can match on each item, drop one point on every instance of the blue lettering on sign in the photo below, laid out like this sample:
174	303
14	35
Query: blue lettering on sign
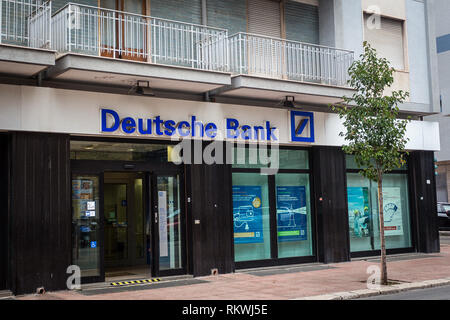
111	122
300	121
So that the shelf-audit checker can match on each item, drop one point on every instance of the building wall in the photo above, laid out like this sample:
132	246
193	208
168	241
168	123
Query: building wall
440	14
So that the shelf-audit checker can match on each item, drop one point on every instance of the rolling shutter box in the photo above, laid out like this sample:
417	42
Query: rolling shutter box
302	22
189	11
230	15
388	40
264	18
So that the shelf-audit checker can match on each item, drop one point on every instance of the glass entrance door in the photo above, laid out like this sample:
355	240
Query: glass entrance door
124	221
87	226
168	221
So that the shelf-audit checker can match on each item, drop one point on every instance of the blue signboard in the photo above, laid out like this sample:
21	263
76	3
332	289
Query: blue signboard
247	214
291	213
302	126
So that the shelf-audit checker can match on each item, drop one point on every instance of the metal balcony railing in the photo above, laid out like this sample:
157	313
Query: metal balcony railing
284	59
116	34
25	23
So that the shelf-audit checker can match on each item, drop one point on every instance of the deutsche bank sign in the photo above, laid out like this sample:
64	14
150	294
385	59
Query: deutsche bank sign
302	126
156	126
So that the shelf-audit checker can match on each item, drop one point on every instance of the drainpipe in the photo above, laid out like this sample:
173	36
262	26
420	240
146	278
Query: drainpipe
204	13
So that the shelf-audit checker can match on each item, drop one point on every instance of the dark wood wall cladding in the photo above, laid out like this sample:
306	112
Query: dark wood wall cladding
211	203
40	211
423	201
328	165
4	210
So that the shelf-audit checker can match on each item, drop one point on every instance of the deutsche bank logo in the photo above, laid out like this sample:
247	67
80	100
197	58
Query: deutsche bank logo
302	126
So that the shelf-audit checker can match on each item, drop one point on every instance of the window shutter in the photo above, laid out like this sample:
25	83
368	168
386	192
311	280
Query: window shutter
230	15
388	40
189	11
264	18
302	22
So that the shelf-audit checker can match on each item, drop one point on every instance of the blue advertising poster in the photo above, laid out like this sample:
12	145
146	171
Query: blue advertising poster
291	213
358	212
247	214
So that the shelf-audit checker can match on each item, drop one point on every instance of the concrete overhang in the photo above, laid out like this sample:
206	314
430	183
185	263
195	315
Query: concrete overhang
24	61
254	87
109	71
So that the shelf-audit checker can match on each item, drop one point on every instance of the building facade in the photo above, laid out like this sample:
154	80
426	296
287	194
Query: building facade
157	138
442	9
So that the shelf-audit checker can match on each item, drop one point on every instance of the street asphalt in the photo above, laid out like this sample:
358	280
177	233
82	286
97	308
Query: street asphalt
436	293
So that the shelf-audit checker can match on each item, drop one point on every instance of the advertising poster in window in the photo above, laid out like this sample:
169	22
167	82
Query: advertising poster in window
393	217
359	212
87	190
247	214
291	213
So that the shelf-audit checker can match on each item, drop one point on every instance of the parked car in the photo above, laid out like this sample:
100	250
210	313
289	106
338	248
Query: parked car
443	215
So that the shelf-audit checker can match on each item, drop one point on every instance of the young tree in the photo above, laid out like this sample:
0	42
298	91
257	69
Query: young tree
374	134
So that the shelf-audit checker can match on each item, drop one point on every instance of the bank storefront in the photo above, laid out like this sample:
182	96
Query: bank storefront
146	187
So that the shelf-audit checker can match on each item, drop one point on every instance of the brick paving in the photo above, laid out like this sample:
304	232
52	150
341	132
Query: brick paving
346	276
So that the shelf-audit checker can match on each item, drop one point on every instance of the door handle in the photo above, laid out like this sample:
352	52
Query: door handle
156	217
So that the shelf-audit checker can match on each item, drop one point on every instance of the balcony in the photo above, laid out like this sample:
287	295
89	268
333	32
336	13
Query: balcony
271	68
146	47
25	25
103	46
284	59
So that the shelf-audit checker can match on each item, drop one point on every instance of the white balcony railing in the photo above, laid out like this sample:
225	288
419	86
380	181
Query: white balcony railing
291	60
116	34
25	23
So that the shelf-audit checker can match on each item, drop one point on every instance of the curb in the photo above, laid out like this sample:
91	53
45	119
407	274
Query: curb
383	290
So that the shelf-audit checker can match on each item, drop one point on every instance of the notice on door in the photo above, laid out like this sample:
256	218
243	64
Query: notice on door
162	211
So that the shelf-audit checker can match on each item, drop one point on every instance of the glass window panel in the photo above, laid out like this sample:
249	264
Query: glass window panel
362	213
86	224
251	156
396	211
293	215
251	217
351	163
169	222
293	159
92	150
364	216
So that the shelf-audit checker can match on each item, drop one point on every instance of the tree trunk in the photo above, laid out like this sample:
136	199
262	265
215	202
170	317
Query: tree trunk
382	240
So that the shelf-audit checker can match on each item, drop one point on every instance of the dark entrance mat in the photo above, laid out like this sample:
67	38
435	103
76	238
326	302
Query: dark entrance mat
286	270
156	285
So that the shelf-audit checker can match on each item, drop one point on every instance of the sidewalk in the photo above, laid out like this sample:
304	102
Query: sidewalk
316	281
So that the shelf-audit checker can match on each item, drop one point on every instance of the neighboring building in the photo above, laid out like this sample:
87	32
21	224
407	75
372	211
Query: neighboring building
96	94
442	27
